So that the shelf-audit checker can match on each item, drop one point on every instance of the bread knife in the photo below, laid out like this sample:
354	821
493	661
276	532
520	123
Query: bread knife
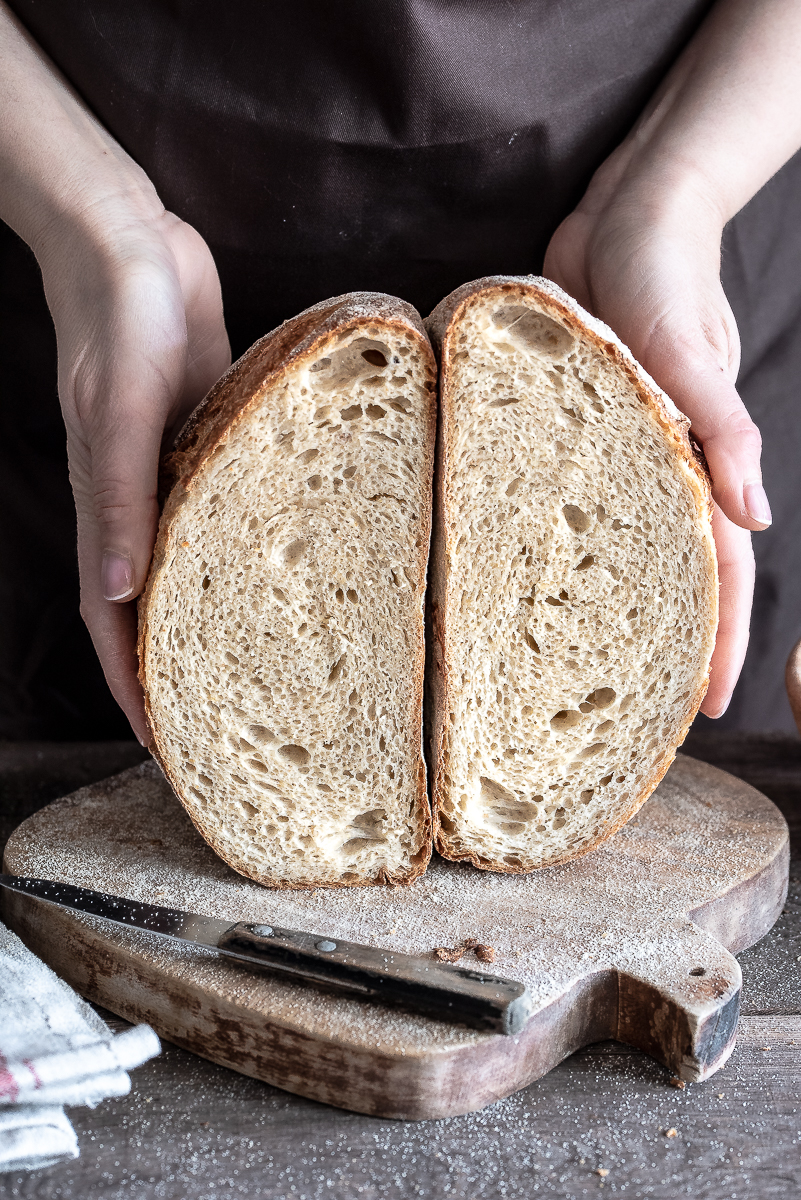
460	994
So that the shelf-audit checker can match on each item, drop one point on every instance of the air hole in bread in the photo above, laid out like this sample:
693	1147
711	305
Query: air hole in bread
566	718
603	697
591	751
372	821
576	518
297	755
294	552
534	330
354	845
261	735
493	792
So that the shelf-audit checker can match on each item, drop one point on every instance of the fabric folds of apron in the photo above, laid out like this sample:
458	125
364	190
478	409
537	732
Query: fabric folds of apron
403	146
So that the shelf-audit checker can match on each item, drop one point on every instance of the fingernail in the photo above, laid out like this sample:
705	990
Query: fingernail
756	503
117	575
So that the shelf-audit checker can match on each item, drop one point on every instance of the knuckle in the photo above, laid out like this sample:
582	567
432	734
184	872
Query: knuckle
114	504
736	428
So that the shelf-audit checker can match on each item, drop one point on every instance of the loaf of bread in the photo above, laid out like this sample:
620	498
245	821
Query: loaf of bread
281	634
573	582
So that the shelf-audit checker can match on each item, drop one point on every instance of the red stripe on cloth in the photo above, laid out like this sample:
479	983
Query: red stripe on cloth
27	1062
9	1088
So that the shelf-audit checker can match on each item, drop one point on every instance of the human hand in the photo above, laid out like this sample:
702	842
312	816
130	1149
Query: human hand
642	252
135	298
646	260
136	303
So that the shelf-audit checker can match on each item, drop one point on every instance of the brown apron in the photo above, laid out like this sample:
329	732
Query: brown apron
395	145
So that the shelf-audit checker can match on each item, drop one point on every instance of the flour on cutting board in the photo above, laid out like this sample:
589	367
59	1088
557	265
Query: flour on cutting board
625	906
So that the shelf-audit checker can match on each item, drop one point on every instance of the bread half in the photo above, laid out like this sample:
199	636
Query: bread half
574	579
281	634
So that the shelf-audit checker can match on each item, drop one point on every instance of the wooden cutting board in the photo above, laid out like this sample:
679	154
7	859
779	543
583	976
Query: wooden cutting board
634	942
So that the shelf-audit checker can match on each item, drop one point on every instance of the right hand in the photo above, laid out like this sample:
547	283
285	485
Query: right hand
136	303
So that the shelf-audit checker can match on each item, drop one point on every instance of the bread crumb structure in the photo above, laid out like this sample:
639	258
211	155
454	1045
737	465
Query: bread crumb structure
574	579
281	632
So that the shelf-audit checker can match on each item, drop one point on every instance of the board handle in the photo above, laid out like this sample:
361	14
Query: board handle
424	985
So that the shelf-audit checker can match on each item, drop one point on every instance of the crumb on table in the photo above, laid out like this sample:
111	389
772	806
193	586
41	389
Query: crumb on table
452	954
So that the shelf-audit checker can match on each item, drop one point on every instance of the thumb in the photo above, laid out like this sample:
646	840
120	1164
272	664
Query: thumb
114	471
692	351
732	445
115	489
121	523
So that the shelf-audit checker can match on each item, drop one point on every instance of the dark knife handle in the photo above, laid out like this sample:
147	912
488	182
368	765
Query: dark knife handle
422	984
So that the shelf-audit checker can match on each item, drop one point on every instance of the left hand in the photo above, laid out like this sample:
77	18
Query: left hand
645	259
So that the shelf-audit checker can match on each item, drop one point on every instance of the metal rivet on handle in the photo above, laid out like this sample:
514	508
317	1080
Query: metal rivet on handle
326	946
263	930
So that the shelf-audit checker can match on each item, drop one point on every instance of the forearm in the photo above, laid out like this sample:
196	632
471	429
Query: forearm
725	119
57	162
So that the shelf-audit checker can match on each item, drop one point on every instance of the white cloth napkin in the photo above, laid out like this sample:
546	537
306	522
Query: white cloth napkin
54	1050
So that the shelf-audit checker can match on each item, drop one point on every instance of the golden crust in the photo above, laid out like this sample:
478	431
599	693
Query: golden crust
229	402
440	325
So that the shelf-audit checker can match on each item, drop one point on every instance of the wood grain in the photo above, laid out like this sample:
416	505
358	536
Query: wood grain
605	944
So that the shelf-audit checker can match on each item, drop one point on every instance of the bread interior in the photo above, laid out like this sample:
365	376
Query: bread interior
285	636
577	586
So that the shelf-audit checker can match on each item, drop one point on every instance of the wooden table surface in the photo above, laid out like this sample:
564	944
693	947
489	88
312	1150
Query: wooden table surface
193	1131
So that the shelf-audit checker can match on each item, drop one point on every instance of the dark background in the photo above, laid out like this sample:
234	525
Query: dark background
407	147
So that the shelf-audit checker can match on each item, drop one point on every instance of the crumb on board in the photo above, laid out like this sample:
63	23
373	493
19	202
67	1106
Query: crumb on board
671	1132
602	1171
444	954
677	1083
453	954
